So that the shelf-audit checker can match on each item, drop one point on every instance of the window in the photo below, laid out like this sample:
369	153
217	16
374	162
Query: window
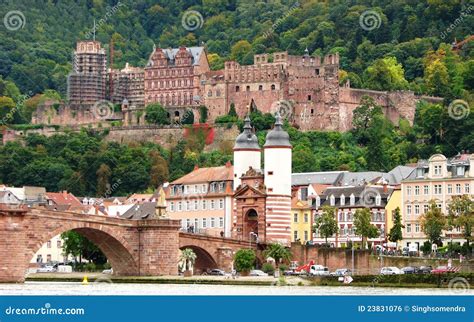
437	170
408	228
426	208
180	206
221	203
417	209
306	218
237	88
378	200
273	87
204	223
221	222
408	190
417	190
196	224
450	188
309	97
196	189
204	205
352	199
437	189
213	204
305	235
172	206
213	222
295	235
467	188
196	204
420	172
408	209
260	87
458	188
417	228
332	200
188	206
48	244
58	243
318	201
460	171
295	217
343	200
204	188
426	189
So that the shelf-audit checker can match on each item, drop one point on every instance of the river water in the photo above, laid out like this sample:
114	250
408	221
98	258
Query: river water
107	288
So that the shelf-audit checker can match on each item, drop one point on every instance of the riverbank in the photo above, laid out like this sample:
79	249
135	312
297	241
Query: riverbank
396	281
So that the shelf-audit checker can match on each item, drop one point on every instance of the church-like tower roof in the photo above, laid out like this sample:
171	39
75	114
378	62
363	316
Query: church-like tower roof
277	137
247	139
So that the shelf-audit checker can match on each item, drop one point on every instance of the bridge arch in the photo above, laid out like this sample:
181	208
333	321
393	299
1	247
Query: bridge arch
204	260
114	246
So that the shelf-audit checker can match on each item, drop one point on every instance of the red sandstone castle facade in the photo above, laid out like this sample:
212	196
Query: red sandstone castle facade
304	89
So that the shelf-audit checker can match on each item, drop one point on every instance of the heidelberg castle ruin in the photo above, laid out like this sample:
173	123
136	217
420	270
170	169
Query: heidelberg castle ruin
304	89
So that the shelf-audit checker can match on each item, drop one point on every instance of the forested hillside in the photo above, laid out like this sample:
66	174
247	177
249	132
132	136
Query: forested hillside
383	45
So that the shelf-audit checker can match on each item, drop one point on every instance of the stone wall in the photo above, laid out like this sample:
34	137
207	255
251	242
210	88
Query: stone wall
364	262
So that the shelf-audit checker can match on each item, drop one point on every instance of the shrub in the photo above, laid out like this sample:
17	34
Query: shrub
268	268
244	260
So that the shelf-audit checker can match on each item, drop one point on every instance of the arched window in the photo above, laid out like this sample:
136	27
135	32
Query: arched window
273	87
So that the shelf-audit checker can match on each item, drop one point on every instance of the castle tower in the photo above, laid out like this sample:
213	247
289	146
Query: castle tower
278	154
247	153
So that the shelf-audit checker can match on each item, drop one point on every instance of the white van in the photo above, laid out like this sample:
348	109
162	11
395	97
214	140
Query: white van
318	270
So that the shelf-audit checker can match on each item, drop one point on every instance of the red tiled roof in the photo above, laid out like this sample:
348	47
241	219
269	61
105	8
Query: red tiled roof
199	175
63	198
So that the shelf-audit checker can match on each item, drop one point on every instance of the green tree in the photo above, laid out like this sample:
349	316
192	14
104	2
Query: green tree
78	246
278	252
461	214
103	179
159	172
326	223
244	260
433	222
395	233
156	114
363	227
385	74
240	50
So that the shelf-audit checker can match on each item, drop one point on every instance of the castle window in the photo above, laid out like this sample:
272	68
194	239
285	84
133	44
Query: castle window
317	71
237	88
312	111
270	173
209	93
309	97
273	87
247	88
260	87
218	92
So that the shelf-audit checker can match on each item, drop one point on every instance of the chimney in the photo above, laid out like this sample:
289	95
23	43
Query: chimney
385	188
196	167
228	164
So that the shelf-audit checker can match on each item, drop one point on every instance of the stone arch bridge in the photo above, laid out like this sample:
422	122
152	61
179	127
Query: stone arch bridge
133	247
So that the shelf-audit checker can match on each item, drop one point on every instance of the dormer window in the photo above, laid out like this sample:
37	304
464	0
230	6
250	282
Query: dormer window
352	199
332	200
460	171
437	170
318	202
343	200
378	200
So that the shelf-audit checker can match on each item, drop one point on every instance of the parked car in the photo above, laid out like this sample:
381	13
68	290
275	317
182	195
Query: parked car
46	269
318	270
108	271
257	272
425	270
410	270
341	272
215	272
440	270
391	271
405	251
